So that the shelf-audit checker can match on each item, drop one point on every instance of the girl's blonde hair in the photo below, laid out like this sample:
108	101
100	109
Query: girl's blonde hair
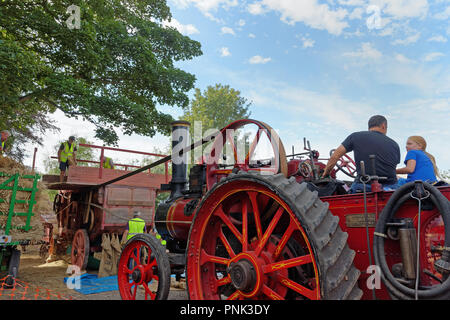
421	141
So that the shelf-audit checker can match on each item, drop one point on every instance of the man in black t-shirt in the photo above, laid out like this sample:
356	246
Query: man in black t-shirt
365	143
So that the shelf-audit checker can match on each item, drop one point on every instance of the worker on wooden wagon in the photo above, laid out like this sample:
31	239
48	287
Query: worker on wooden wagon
136	225
107	162
5	134
366	143
67	155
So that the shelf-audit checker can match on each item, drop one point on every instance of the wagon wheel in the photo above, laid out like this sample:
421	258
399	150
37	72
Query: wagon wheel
346	165
80	249
215	171
268	237
144	269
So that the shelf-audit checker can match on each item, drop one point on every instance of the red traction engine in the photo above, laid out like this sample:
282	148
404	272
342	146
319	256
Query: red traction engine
242	227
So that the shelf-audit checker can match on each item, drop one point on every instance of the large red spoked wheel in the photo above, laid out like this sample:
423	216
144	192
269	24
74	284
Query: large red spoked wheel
80	249
268	237
215	170
144	269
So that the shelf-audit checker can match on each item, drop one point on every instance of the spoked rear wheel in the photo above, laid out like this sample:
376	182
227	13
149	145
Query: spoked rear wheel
267	237
144	269
80	249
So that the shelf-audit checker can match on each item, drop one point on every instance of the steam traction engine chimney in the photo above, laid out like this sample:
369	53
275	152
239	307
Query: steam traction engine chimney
174	216
180	140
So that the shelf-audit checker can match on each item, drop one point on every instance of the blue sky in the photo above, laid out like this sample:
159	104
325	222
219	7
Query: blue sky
320	68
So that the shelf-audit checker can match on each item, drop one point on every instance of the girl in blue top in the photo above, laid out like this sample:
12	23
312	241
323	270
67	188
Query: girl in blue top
420	165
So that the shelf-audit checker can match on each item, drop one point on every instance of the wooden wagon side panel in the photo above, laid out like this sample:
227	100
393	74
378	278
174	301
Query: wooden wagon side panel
122	202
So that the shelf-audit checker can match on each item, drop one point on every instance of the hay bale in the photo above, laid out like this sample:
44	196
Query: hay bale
43	204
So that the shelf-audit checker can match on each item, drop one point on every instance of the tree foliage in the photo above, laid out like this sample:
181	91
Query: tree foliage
216	107
113	71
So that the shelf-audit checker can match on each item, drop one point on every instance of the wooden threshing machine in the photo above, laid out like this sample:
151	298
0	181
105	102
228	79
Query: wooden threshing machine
89	203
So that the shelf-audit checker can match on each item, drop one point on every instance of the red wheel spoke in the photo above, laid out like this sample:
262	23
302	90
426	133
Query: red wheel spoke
223	281
204	258
150	265
226	244
149	292
256	214
219	212
284	239
298	261
244	225
126	270
269	230
234	296
308	293
271	294
156	277
135	258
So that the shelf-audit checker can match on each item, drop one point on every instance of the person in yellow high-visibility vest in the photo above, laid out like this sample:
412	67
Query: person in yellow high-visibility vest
107	162
67	151
5	134
135	226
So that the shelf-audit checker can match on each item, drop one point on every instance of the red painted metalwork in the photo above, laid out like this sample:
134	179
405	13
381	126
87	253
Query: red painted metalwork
238	250
137	268
345	206
213	171
262	255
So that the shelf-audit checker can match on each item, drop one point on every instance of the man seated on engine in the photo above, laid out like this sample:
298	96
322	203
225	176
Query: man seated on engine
366	143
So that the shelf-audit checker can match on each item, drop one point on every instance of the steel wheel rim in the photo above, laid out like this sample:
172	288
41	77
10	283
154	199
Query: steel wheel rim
273	272
140	278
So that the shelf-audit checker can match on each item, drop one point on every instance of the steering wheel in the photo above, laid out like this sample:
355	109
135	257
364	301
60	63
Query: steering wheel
346	165
216	170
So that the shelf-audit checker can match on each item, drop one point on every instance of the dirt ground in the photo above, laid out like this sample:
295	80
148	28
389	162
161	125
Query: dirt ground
35	274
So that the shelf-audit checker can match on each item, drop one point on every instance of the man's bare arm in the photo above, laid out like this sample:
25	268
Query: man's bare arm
339	152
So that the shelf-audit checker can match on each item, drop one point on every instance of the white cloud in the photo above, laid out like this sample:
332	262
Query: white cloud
206	6
402	59
310	12
403	9
259	60
256	8
433	56
351	2
186	29
366	52
438	38
251	35
241	22
308	43
225	52
444	15
356	14
227	30
408	40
